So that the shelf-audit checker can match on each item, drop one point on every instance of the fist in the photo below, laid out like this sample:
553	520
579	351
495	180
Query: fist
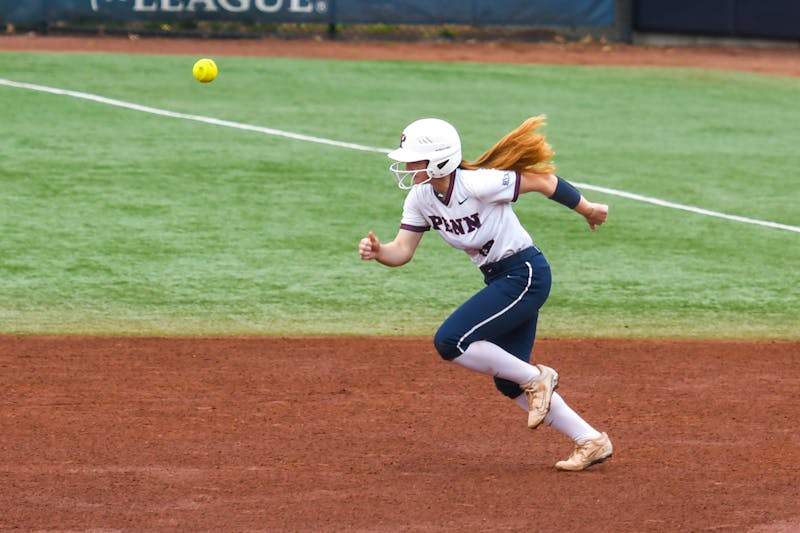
597	216
369	247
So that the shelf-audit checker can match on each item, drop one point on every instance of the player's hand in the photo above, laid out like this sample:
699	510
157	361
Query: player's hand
597	215
369	247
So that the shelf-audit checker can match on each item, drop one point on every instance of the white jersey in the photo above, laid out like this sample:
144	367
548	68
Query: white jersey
475	215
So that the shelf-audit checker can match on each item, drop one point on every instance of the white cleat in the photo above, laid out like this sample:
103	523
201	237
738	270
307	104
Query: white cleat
586	454
539	391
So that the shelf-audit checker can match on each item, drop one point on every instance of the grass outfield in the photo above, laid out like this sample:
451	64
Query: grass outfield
117	221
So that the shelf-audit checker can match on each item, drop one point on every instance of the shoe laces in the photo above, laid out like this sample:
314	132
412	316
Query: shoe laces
535	397
582	450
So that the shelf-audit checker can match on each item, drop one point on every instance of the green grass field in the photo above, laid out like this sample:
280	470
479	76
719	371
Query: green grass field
116	221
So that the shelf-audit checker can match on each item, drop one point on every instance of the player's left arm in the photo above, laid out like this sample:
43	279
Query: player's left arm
563	192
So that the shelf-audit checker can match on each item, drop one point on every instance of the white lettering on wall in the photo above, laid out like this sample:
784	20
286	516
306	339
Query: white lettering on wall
233	6
145	5
208	5
171	6
263	5
301	6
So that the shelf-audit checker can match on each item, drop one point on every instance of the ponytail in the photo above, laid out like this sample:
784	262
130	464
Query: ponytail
522	150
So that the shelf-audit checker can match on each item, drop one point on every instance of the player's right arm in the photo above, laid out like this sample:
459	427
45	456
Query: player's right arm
395	253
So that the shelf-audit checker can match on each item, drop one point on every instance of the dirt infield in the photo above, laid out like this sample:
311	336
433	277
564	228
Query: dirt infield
361	434
337	435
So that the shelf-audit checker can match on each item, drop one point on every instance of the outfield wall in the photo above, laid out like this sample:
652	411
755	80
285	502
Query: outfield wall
609	17
615	20
472	12
768	19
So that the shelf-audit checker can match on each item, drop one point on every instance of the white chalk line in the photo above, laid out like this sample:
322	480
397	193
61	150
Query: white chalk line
698	210
186	116
364	148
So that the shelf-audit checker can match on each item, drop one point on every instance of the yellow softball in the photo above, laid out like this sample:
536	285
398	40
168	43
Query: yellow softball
205	70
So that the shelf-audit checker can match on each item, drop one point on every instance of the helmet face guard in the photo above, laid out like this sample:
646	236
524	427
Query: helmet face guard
428	139
405	178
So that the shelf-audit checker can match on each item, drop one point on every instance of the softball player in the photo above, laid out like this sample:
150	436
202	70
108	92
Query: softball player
469	205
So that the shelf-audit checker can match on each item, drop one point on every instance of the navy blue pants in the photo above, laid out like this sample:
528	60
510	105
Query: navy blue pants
504	312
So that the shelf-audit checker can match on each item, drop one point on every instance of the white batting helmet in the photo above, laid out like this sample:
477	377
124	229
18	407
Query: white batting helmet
427	139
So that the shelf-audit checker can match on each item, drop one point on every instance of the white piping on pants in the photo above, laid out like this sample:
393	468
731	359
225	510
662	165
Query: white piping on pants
502	311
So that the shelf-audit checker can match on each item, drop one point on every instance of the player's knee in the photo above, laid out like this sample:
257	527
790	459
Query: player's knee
446	344
507	388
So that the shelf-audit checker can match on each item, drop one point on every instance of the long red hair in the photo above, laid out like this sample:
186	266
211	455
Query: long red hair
523	150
